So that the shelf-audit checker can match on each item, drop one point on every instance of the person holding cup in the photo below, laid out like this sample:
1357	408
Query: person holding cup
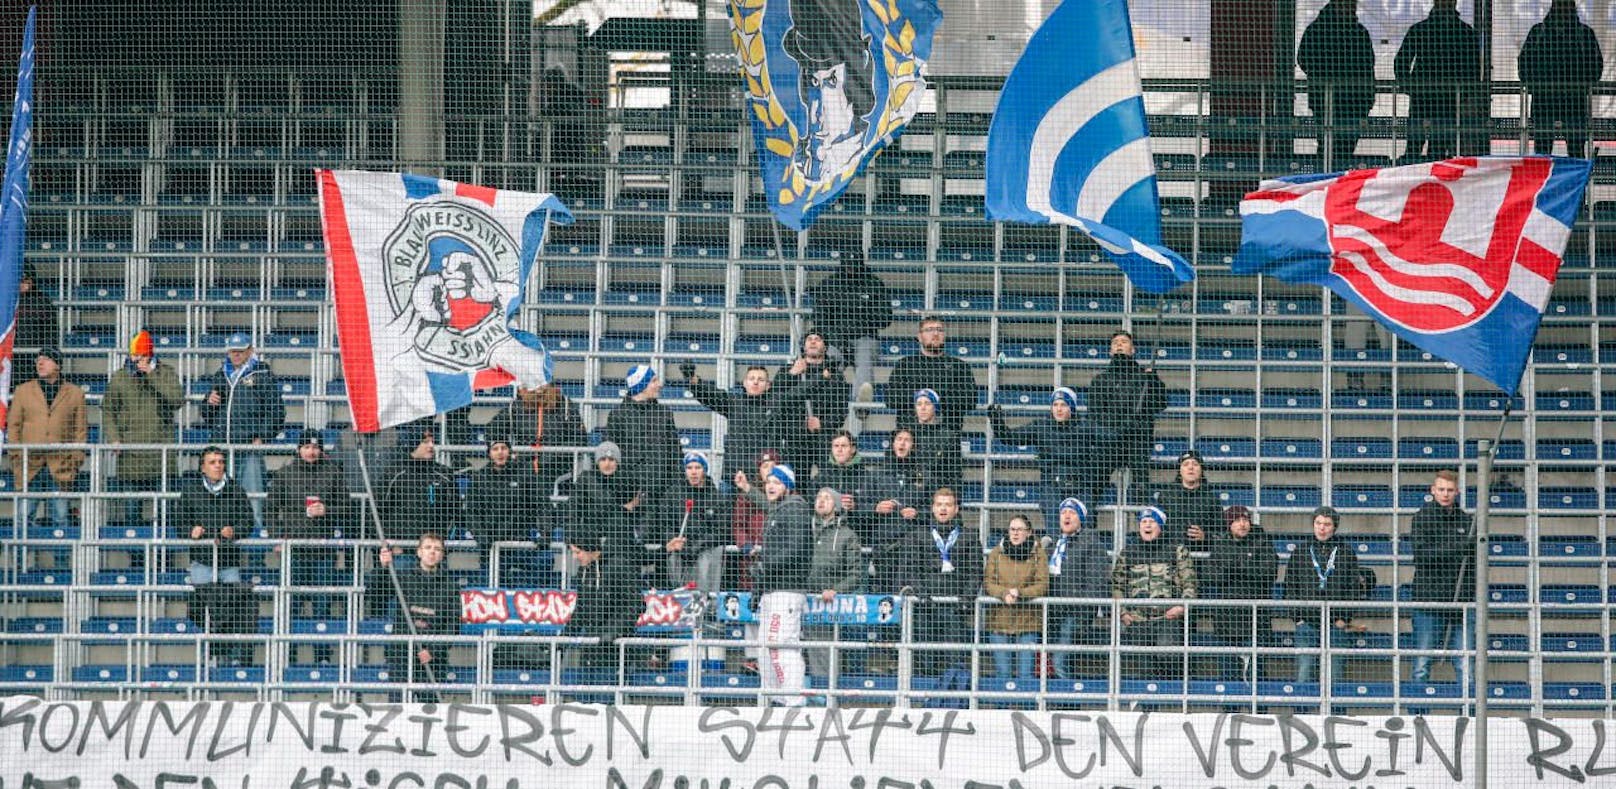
309	504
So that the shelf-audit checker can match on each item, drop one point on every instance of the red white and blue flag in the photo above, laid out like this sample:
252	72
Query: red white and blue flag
428	275
1457	257
14	212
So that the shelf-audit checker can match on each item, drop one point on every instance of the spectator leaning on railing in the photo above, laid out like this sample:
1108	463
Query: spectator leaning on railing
942	559
212	511
838	567
308	500
1153	566
430	606
1078	567
1016	572
1321	571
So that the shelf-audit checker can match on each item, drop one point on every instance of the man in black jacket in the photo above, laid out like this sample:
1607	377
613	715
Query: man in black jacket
502	505
1078	567
1439	66
308	500
535	419
645	430
418	493
851	308
1123	401
933	368
1242	566
756	418
212	510
695	526
1192	507
815	403
1559	63
1323	572
1444	542
609	524
1338	57
1061	445
430	607
244	406
943	560
782	579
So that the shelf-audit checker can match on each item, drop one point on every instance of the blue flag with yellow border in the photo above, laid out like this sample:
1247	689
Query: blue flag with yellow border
829	84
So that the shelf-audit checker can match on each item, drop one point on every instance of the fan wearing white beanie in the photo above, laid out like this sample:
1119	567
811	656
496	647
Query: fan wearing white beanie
645	430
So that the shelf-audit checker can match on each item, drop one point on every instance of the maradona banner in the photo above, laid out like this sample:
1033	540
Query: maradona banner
160	744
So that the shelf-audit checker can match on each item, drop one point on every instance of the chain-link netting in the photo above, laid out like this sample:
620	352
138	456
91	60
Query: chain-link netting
910	356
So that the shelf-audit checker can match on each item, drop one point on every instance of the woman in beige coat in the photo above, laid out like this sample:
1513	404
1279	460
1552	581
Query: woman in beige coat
1016	572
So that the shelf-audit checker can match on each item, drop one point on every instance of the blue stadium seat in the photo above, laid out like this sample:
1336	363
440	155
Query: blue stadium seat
26	673
1375	497
1292	448
1289	497
1361	448
100	673
1568	498
1427	449
1574	691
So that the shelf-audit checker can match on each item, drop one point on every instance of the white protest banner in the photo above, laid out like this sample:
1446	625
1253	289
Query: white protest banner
226	745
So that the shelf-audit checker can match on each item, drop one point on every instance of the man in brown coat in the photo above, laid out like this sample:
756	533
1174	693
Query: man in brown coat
48	410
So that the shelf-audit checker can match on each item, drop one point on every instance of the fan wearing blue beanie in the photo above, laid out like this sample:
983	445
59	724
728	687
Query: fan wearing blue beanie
1153	567
1078	567
645	431
782	580
1060	443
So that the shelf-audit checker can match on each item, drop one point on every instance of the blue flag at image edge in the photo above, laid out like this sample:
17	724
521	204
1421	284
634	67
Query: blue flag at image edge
1457	257
14	212
829	83
1068	143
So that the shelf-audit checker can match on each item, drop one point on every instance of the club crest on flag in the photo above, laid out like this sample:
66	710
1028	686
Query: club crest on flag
428	275
830	83
452	270
1457	257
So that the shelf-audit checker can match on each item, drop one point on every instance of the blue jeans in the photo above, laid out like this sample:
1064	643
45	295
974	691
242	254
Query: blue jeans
249	471
1024	659
1441	628
1077	628
1307	637
203	574
61	515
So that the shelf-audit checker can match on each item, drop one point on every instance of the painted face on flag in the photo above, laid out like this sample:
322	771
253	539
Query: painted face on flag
835	84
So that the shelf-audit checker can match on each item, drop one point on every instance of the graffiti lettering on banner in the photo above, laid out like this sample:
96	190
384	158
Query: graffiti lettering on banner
289	745
517	610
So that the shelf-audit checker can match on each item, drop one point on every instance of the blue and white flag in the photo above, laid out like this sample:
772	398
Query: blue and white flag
830	83
427	276
1457	257
1068	144
14	212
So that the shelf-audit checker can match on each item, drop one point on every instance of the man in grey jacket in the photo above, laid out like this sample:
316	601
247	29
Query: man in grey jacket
837	568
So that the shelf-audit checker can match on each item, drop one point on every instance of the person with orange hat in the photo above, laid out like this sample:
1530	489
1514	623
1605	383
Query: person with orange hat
139	408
